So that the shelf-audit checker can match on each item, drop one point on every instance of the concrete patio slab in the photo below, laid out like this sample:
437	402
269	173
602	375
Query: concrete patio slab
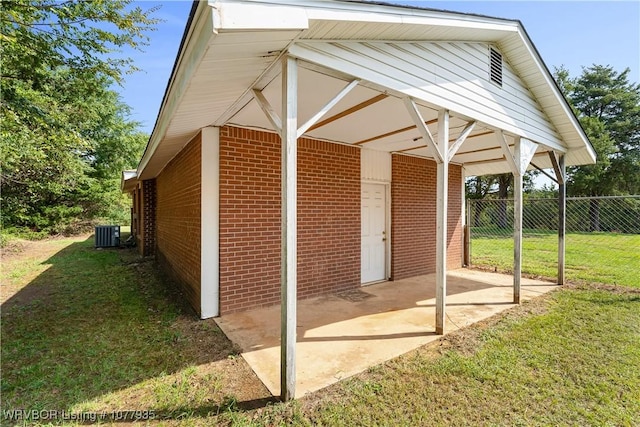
340	335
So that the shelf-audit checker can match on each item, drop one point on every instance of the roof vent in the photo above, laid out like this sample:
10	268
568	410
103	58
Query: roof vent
495	66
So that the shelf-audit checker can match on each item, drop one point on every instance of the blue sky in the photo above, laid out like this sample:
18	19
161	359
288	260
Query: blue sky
568	33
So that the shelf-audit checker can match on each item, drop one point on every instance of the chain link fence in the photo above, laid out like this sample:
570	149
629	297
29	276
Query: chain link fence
602	238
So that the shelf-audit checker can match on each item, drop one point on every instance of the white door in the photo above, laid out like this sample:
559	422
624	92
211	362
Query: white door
374	236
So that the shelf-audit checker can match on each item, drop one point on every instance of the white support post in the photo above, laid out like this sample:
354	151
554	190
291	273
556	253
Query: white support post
518	162
209	223
289	261
517	225
442	154
442	179
562	217
523	153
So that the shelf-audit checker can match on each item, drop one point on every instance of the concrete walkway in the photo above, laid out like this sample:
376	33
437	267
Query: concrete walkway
342	335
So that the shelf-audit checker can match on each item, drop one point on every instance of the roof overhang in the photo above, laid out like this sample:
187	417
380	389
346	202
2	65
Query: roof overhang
128	181
231	48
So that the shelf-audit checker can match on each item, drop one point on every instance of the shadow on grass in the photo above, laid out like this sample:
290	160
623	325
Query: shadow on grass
206	411
95	322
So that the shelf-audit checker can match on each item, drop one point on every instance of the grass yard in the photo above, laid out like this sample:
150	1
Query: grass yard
93	330
98	330
591	257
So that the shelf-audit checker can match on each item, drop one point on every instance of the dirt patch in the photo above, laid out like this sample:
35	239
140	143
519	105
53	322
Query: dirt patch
13	248
510	273
615	289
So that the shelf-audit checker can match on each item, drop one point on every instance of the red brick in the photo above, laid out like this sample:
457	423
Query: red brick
328	218
178	220
413	217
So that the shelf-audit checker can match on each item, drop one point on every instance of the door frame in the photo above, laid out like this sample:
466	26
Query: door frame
387	226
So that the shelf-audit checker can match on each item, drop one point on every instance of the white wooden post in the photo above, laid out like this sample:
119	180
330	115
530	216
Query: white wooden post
210	223
442	189
442	155
518	161
517	224
562	217
289	228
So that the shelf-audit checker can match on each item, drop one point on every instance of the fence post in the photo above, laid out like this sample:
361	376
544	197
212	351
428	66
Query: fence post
467	236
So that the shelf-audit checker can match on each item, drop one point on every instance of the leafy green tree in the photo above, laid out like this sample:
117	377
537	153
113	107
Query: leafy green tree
608	107
82	36
65	134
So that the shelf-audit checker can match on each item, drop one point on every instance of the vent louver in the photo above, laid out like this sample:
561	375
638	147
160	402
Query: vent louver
495	66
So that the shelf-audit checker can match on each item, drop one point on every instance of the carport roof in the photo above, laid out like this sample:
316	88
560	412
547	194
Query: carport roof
231	47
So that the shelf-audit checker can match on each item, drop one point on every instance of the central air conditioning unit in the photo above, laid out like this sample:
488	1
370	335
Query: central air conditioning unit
107	236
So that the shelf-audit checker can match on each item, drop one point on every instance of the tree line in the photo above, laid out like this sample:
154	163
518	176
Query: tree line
65	134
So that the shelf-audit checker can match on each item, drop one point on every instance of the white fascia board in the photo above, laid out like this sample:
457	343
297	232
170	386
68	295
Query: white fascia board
542	69
128	174
328	10
440	19
229	16
128	180
195	46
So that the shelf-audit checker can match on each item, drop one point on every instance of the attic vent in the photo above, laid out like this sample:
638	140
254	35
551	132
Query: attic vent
495	67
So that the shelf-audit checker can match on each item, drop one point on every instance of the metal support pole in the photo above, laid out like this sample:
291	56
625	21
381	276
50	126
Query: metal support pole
289	261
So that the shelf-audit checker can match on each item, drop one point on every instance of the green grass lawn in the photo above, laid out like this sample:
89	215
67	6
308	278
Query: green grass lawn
99	330
592	257
86	330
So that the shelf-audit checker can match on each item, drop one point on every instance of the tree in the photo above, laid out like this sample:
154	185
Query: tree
608	107
65	134
82	36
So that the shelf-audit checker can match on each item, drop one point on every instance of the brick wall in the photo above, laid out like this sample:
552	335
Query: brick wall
178	220
328	218
413	217
329	211
249	219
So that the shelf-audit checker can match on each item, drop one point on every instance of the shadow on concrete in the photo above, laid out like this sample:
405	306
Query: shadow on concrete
365	337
